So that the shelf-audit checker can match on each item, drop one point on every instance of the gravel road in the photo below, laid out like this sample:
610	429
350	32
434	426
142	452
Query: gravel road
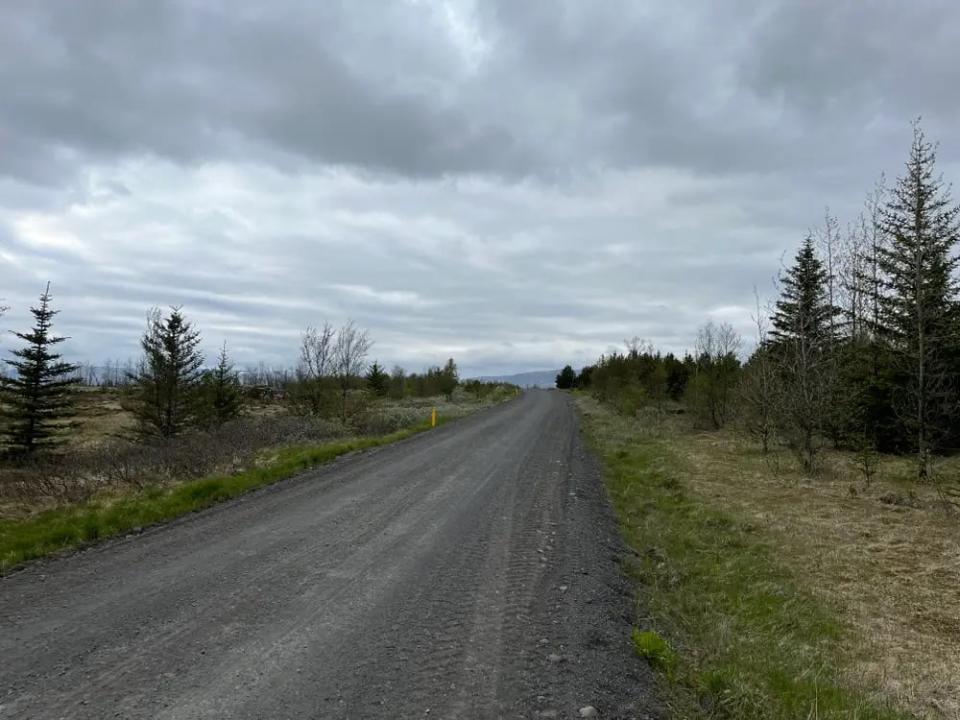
469	572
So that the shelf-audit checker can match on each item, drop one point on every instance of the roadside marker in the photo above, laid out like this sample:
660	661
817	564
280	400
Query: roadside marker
433	418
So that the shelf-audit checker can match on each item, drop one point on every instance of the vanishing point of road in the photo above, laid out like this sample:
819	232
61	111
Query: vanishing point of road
468	572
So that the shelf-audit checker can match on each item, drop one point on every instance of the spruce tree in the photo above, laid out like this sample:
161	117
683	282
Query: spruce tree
567	378
222	397
804	310
38	397
169	375
801	347
918	308
449	379
377	380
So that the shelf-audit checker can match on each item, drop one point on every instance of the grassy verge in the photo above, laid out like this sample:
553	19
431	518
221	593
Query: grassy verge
77	525
733	630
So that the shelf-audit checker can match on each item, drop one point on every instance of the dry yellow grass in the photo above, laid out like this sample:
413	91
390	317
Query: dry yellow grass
100	415
893	570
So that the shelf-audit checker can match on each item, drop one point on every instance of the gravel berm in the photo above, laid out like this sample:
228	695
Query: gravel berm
469	572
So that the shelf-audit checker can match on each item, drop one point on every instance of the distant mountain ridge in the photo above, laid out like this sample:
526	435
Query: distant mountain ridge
534	378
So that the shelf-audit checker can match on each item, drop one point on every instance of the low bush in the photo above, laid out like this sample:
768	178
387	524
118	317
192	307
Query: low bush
102	517
77	475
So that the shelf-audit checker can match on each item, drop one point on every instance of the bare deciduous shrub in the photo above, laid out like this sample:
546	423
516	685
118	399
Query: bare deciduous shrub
867	459
710	392
44	476
383	419
316	351
758	387
138	464
349	362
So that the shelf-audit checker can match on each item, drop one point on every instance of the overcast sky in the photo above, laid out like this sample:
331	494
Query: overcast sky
518	185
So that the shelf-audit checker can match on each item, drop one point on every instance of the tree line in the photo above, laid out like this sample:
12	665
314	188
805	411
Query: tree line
861	348
171	390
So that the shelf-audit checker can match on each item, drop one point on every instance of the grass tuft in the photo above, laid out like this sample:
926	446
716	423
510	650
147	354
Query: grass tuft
657	651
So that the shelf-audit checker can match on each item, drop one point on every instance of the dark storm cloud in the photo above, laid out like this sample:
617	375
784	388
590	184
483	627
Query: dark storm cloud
198	81
547	87
514	182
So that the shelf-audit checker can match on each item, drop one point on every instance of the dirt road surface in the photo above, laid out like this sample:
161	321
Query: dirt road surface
469	572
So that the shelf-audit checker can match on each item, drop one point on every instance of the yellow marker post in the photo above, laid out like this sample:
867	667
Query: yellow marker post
433	418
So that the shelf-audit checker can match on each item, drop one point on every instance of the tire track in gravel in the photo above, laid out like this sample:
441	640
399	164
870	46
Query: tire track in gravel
468	572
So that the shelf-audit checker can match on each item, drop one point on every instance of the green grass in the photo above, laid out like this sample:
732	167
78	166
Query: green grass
77	525
651	645
732	632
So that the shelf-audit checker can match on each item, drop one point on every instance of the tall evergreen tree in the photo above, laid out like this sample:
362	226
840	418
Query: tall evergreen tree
449	378
169	375
222	397
378	380
38	397
567	378
918	315
804	310
801	346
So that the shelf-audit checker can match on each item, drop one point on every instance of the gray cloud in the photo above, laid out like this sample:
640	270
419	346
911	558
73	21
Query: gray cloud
514	183
539	88
192	82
